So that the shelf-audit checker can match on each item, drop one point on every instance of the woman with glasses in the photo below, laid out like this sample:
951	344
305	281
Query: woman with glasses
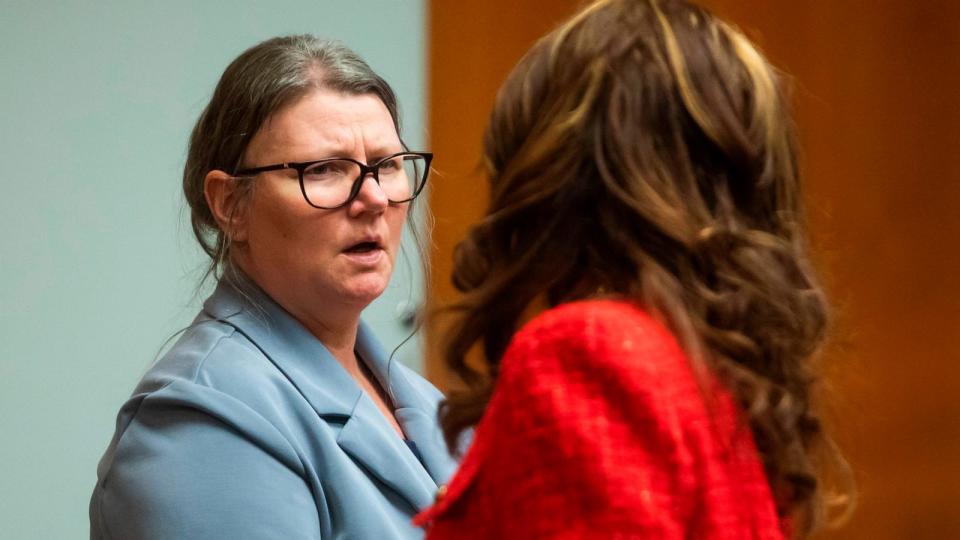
278	414
642	291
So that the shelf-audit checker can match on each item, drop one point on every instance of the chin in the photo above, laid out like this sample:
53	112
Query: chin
366	292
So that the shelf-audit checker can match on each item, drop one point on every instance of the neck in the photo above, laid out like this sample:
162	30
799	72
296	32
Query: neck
335	326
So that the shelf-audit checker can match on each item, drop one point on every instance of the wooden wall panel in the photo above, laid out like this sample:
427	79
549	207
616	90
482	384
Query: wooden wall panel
473	45
877	99
876	91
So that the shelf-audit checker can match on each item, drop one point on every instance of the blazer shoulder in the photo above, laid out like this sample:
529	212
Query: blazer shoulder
209	353
612	334
573	386
586	318
217	372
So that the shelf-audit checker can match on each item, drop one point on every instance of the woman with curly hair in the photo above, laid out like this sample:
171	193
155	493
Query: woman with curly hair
641	294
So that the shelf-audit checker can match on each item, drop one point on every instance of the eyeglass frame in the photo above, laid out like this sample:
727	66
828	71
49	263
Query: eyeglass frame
301	167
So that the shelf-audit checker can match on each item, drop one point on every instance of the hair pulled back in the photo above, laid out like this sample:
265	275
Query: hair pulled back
257	84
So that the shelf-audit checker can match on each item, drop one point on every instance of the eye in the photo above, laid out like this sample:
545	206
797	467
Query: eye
391	165
327	170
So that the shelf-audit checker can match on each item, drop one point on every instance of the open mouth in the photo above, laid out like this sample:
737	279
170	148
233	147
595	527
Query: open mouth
363	247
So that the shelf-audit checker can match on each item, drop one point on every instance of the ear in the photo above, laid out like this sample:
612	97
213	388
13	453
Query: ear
224	195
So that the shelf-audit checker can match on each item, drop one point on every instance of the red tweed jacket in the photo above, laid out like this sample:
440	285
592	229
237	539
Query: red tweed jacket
598	428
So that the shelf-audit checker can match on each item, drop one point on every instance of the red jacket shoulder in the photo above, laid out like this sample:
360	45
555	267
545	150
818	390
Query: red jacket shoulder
597	425
598	338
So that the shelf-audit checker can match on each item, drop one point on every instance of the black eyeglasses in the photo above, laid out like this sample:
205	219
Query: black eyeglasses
332	183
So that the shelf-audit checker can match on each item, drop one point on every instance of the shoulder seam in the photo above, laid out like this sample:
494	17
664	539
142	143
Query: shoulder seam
196	372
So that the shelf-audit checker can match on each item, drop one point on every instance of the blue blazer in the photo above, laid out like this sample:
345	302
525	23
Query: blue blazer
249	428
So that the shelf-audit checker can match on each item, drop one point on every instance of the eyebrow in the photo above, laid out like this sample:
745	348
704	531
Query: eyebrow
386	150
372	156
376	152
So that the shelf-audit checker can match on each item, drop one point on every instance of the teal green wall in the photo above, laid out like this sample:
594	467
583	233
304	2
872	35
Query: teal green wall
97	264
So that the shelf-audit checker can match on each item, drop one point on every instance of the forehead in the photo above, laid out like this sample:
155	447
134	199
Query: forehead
325	123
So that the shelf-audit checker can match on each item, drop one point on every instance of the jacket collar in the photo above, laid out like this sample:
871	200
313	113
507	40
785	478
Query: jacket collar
300	356
366	435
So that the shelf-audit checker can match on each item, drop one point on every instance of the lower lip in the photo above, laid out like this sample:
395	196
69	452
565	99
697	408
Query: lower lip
364	258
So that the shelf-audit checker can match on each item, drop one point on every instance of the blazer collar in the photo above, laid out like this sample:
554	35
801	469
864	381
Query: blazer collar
300	356
366	435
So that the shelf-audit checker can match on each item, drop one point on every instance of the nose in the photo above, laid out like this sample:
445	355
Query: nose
371	197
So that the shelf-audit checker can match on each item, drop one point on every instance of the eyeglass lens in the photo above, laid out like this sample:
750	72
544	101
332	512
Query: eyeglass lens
328	183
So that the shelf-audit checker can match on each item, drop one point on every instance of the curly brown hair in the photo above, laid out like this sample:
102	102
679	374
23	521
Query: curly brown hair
644	150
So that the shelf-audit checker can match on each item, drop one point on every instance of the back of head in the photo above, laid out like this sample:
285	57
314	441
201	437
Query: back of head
644	150
258	83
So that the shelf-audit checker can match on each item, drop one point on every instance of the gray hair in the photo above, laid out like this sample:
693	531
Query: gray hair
258	83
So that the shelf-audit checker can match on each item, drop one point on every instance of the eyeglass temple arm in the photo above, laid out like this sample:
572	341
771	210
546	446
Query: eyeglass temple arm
268	168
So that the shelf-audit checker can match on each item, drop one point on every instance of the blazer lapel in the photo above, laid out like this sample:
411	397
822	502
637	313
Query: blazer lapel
415	412
373	443
366	435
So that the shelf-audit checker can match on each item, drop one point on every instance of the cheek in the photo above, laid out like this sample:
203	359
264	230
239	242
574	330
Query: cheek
276	224
266	223
396	222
